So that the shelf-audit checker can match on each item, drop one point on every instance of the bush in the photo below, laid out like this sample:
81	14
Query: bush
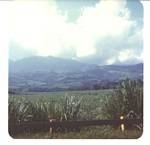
127	98
19	110
71	107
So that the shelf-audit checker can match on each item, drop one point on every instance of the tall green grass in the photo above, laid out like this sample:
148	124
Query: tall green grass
126	100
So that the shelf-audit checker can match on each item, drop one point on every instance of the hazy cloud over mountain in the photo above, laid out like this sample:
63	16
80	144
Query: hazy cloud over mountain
104	32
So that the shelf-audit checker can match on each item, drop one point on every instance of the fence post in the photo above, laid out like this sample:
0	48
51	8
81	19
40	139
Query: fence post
51	122
122	125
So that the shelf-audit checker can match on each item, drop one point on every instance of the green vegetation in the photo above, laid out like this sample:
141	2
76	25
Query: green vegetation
75	105
126	100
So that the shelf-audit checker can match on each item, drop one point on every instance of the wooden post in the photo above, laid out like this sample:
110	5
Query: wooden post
51	127
122	125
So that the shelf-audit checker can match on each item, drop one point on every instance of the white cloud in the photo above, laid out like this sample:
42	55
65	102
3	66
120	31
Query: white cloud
40	26
108	19
110	61
125	55
35	25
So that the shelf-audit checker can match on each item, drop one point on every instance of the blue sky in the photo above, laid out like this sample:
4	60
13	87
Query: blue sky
74	7
105	32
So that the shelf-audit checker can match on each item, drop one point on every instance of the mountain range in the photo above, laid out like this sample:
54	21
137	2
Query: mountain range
42	74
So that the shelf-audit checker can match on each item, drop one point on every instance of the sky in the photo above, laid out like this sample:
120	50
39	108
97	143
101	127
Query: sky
97	31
